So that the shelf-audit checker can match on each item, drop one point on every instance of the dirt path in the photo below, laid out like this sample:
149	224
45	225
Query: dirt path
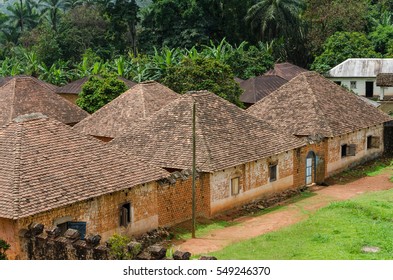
250	227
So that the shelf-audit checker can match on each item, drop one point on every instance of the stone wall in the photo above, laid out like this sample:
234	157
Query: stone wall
42	243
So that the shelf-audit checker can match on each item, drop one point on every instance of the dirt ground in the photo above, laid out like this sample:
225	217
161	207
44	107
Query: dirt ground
248	227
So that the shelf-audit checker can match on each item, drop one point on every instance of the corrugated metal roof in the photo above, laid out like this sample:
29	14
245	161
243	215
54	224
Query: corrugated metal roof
362	67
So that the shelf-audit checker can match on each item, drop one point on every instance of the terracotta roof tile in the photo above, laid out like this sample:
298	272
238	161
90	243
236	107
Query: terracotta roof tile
286	70
23	95
310	104
139	102
42	83
257	88
226	135
45	165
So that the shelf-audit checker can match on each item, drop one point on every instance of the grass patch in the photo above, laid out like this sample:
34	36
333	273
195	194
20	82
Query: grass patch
205	226
372	168
338	231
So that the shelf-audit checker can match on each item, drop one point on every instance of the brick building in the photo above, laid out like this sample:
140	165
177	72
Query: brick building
21	95
239	157
52	175
116	118
342	130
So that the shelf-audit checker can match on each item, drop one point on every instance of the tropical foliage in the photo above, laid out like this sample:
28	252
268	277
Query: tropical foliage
98	91
204	74
63	40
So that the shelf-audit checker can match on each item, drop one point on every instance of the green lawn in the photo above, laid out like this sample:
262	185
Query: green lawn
338	231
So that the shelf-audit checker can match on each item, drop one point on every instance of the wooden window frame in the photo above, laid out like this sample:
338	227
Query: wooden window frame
348	150
275	172
373	142
235	190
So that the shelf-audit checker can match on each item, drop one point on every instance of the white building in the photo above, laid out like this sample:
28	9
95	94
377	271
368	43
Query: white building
360	74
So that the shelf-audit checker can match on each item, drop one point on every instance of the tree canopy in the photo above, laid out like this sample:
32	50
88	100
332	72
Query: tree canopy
204	74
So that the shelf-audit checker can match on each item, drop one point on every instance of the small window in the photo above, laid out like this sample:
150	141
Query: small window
235	186
369	142
348	150
344	149
79	226
373	142
338	82
353	84
273	173
125	214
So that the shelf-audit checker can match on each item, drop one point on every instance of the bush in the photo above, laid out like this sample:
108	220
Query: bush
118	247
4	246
98	91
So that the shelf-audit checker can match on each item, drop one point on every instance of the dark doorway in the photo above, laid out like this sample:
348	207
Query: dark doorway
369	89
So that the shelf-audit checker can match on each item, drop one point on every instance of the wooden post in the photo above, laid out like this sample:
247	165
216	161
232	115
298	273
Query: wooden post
193	170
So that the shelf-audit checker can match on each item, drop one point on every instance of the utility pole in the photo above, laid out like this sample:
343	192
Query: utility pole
193	170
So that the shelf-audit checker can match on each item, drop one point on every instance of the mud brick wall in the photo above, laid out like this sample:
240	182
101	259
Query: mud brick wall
254	183
174	200
337	164
102	214
299	162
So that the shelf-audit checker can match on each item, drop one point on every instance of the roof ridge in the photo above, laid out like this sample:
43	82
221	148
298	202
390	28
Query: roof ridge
16	170
142	89
205	142
316	106
13	98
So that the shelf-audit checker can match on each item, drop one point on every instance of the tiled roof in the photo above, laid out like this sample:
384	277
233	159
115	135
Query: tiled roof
45	165
139	102
49	86
385	80
286	70
362	67
75	87
226	135
258	87
23	95
312	105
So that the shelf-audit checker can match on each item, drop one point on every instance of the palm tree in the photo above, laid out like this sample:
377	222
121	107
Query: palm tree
70	4
22	14
274	18
52	10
